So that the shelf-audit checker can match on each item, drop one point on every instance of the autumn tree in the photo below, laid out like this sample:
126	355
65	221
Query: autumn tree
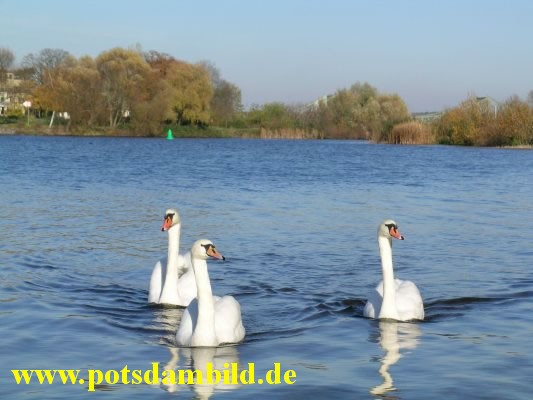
226	102
392	111
7	58
48	93
466	124
76	89
212	71
187	88
24	73
272	116
42	68
343	115
513	124
359	112
191	92
44	63
152	105
159	62
122	73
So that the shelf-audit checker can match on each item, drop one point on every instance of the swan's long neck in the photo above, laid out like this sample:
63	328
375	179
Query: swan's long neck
388	305
170	285
204	332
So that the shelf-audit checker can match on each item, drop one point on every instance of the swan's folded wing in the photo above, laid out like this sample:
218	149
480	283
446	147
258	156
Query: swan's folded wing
188	321
156	281
228	321
187	288
184	263
409	301
373	304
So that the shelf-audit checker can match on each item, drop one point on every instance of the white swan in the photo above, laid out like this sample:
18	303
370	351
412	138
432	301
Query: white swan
209	320
172	280
393	298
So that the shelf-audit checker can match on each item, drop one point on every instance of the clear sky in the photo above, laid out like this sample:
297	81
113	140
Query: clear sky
432	53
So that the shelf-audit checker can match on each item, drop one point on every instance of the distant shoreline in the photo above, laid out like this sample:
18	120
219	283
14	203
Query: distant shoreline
178	132
25	132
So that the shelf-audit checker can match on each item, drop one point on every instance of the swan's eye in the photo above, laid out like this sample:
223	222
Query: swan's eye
393	229
169	216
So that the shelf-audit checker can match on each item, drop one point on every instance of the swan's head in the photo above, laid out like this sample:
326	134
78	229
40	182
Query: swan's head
389	229
203	249
171	218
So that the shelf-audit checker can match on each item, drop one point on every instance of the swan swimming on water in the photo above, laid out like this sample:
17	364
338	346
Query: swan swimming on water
209	320
172	280
393	298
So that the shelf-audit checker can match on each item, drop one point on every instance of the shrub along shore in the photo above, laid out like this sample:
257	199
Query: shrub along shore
409	133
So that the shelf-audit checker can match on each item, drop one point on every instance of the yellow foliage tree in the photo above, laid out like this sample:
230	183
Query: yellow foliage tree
191	92
122	73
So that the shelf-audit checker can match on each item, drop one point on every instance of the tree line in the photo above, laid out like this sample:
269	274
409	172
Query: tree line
142	93
474	122
357	112
127	88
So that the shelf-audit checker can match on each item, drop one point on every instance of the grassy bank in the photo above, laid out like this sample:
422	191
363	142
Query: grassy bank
40	127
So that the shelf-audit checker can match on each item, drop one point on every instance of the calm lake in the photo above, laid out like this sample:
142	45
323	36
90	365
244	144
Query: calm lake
80	220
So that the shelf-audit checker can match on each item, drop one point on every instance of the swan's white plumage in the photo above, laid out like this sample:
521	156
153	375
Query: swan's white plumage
156	280
402	301
408	301
228	322
172	282
209	320
187	287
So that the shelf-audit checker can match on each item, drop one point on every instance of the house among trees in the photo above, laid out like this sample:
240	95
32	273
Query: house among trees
427	116
11	97
488	103
321	100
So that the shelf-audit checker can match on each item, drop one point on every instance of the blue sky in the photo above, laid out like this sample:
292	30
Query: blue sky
432	53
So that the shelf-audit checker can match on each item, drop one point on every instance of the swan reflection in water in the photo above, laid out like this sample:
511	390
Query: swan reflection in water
197	359
395	337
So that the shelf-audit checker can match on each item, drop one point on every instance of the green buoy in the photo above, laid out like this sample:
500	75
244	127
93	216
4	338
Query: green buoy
169	135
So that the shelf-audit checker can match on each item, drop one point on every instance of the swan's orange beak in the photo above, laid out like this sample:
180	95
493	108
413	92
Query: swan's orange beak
212	252
166	223
395	233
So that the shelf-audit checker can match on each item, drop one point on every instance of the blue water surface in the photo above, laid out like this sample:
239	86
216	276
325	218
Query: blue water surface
80	222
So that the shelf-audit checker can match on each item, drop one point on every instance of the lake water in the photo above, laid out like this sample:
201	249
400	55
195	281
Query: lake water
80	221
